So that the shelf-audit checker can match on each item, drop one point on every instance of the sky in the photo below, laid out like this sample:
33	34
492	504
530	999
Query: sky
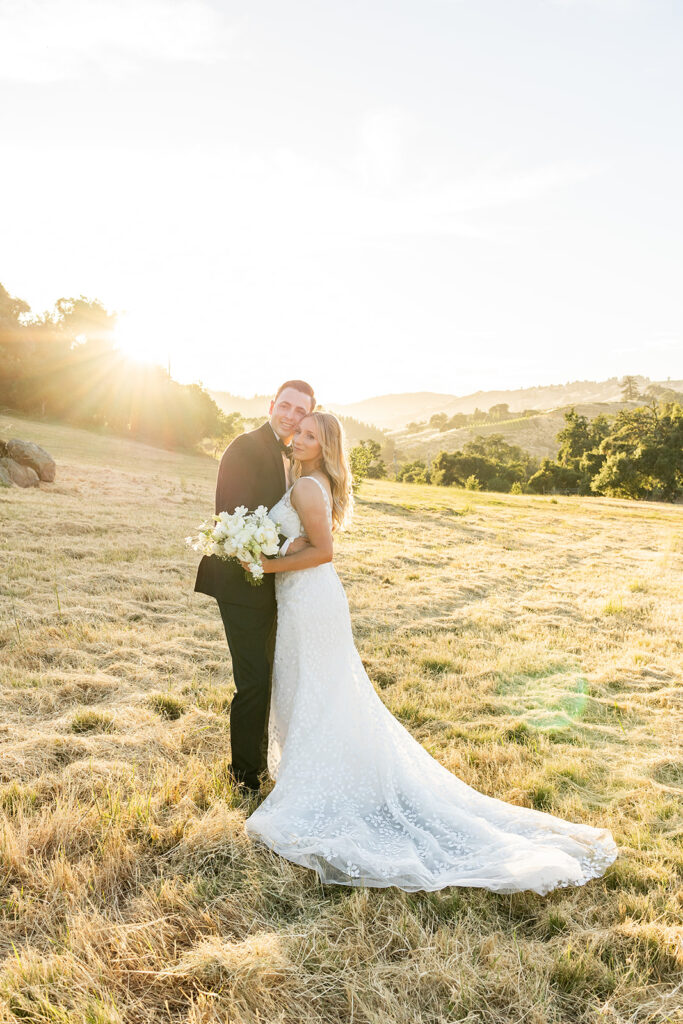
435	195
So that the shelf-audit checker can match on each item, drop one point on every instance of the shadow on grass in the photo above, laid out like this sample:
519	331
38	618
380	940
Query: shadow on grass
414	513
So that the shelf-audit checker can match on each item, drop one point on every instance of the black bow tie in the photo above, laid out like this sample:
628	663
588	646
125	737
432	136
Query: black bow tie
286	448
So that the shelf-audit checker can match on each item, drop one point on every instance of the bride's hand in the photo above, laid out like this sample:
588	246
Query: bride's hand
264	563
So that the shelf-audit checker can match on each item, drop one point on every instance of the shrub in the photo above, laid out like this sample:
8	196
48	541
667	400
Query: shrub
166	705
414	473
92	721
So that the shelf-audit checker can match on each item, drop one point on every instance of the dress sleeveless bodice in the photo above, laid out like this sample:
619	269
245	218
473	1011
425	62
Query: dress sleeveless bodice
287	516
290	524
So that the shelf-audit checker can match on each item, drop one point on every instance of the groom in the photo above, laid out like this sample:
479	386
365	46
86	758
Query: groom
254	470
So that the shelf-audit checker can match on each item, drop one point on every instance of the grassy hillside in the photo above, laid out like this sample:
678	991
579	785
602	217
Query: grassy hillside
533	645
393	412
535	434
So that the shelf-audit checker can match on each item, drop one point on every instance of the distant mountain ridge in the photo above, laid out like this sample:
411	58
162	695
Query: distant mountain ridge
392	412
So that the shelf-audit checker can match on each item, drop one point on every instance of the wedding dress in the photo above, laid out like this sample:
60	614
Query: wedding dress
360	801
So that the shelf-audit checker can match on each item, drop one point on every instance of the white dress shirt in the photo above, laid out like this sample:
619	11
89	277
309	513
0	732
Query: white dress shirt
283	550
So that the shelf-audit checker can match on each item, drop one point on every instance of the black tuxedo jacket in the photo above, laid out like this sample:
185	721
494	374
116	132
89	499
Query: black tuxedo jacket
251	473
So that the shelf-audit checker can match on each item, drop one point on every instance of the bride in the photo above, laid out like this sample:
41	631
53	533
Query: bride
356	798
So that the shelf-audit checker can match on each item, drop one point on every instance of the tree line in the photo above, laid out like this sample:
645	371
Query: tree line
64	365
633	389
441	421
636	454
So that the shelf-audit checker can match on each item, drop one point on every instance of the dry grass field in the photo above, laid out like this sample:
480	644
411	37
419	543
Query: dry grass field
532	645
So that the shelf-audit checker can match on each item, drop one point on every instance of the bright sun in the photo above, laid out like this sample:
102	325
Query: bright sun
140	340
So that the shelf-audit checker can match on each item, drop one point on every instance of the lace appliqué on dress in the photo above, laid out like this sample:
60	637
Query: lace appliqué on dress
358	799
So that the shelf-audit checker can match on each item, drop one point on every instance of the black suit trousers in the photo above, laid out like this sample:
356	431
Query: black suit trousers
250	633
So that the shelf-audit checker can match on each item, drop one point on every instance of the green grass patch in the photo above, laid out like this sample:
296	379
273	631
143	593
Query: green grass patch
92	721
437	666
166	705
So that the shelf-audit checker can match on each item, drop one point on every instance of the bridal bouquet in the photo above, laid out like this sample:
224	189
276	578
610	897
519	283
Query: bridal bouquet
243	535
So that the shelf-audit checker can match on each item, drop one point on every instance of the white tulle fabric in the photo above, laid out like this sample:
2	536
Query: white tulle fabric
360	801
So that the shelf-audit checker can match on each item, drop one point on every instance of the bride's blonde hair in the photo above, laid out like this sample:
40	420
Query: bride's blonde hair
335	466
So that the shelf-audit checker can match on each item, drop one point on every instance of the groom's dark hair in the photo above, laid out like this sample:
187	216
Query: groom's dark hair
298	385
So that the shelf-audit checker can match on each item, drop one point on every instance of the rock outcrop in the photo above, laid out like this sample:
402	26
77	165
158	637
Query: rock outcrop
25	464
28	454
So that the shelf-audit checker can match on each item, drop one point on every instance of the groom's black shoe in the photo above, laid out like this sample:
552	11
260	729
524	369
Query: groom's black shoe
241	785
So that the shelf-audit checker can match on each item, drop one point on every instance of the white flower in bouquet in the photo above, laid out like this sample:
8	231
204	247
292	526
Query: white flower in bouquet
243	535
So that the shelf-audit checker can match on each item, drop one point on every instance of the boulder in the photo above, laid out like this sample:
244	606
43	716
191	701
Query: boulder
22	476
32	455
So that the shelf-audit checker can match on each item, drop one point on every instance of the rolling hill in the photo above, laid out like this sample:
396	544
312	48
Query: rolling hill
535	434
393	412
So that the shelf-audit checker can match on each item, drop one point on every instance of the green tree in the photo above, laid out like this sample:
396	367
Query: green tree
355	430
495	463
65	364
360	459
552	478
86	320
13	352
82	377
11	312
376	469
579	450
574	439
629	389
494	446
661	394
414	473
233	425
643	454
438	420
452	469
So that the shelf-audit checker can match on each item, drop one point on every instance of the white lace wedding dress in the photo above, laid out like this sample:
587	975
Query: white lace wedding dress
361	802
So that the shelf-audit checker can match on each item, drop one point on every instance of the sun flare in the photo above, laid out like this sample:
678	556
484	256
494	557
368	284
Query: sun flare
140	341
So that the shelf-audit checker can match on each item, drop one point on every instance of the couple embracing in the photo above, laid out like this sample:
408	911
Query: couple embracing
356	798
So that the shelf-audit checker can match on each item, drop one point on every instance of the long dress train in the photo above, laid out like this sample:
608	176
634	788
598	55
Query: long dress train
358	799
